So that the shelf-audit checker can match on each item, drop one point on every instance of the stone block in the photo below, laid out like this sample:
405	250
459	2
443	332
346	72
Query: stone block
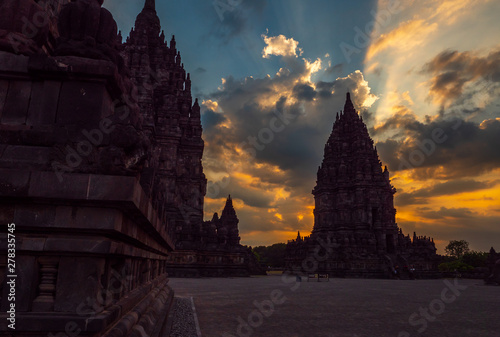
43	104
14	183
16	104
13	63
79	244
80	103
30	243
88	218
25	156
4	86
78	284
47	185
112	188
7	213
33	215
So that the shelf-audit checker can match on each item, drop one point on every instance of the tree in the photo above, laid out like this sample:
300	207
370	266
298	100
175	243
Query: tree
457	248
475	259
273	256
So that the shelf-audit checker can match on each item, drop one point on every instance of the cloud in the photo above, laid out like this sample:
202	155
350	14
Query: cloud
446	213
304	92
211	119
232	20
451	71
447	188
265	137
406	36
280	46
441	148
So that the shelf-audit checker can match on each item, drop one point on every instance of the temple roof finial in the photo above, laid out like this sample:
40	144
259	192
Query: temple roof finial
150	4
348	104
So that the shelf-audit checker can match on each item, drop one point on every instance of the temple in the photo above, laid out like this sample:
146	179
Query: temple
174	171
101	179
355	230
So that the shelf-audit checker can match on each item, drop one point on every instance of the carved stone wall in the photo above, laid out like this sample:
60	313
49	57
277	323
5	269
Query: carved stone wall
91	244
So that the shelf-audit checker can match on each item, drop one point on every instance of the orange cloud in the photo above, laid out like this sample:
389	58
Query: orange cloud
405	37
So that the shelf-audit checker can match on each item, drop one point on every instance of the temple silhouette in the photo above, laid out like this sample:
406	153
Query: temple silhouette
355	232
173	174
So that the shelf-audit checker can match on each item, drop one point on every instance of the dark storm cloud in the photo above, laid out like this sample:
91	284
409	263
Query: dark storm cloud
252	197
200	70
304	92
456	186
443	213
211	119
283	103
442	148
368	118
452	70
447	188
232	20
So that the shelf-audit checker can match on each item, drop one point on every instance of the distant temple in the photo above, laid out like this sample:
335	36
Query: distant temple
174	172
355	231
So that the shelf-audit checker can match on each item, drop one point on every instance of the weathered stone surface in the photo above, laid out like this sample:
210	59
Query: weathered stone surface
4	87
18	156
84	272
18	32
14	183
88	30
80	103
43	104
84	225
35	215
355	232
88	217
16	103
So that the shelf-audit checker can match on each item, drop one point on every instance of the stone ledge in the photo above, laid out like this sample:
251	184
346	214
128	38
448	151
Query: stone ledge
121	192
44	323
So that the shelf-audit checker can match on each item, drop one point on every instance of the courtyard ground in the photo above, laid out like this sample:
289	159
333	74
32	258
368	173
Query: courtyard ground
280	306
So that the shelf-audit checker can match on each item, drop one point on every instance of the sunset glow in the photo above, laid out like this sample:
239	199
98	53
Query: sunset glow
423	75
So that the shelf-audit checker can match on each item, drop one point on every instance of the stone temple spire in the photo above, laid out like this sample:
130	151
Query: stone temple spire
229	221
150	4
148	21
348	107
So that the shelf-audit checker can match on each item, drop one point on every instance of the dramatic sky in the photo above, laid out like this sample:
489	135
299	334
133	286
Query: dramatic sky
424	74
